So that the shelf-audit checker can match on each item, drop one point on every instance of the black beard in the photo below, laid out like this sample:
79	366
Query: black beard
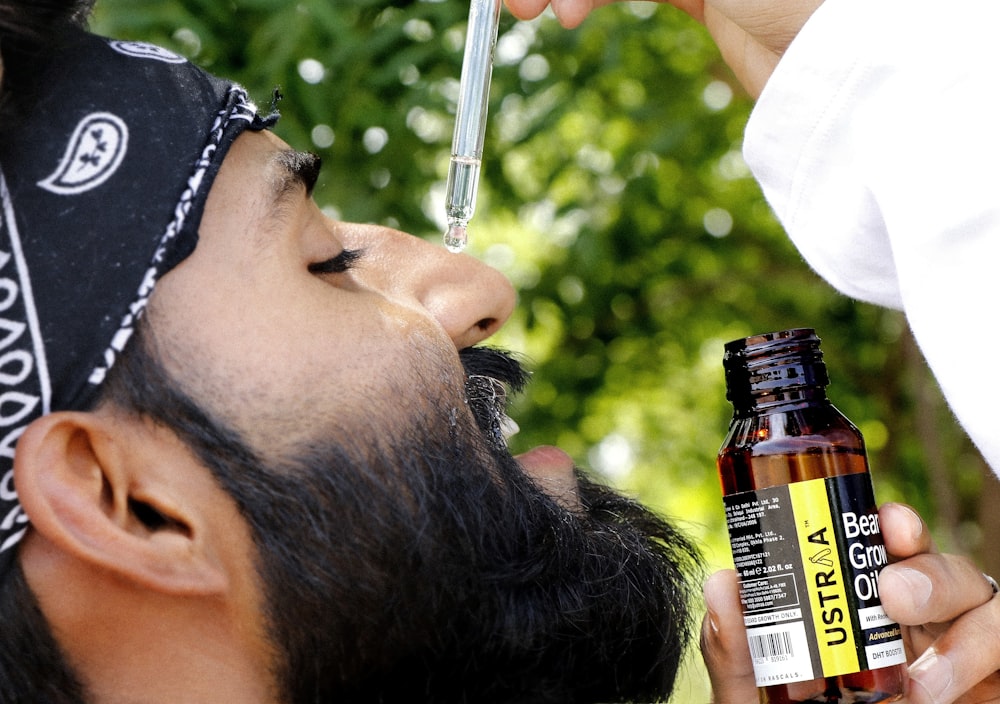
484	592
416	561
436	570
490	375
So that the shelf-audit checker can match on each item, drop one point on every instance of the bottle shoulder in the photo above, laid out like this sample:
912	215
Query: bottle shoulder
794	429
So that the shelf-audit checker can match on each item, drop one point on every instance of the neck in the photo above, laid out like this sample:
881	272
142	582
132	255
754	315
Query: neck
127	644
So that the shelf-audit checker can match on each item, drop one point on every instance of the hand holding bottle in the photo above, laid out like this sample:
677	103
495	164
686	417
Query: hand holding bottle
751	34
949	615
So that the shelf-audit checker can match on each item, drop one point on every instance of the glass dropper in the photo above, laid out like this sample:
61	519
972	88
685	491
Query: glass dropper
470	121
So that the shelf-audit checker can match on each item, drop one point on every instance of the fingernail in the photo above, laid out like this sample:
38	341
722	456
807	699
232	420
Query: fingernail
712	623
933	673
917	584
709	590
916	525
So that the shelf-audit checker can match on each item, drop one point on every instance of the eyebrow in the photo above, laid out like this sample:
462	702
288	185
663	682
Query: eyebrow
288	172
295	170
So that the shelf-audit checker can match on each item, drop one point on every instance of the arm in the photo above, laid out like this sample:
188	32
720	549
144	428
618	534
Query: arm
949	615
873	140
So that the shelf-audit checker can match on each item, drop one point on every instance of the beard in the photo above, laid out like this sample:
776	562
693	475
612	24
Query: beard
451	577
417	561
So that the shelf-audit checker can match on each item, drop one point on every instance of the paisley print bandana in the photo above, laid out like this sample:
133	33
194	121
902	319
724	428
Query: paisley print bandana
102	189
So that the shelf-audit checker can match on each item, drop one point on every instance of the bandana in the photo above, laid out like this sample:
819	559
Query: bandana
102	189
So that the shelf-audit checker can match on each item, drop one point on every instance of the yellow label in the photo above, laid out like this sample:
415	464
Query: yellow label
825	578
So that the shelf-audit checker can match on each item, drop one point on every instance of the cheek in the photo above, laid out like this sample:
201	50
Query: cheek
296	371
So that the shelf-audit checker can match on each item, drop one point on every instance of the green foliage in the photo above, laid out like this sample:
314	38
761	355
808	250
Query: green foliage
614	196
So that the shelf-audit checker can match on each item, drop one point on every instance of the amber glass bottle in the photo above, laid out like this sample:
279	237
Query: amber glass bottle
803	526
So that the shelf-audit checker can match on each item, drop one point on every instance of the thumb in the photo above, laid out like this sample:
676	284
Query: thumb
724	642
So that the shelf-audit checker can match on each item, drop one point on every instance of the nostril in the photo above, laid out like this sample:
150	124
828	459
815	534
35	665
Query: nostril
486	324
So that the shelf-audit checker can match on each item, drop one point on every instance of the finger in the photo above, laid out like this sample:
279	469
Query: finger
695	8
967	656
571	13
724	641
751	64
903	531
931	588
526	9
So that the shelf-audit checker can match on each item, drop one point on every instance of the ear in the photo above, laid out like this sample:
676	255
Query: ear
111	492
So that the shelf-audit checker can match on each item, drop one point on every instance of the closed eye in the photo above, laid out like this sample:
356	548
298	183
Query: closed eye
339	264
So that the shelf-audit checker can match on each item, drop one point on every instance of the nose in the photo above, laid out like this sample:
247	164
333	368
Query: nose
469	299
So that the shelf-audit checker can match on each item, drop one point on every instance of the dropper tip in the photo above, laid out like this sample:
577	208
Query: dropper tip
456	237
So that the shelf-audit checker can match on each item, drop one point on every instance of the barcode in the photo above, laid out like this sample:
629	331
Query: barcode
767	646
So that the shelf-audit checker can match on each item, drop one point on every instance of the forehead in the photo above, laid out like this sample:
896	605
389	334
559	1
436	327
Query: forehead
256	165
261	180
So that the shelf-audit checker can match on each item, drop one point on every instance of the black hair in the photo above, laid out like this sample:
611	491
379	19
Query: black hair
32	667
33	20
29	31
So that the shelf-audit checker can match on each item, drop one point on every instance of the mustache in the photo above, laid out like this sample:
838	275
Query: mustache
495	363
489	374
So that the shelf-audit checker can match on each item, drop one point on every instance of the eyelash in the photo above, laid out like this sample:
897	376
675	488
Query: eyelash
339	264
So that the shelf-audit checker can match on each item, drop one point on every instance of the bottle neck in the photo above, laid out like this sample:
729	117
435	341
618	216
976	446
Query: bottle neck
783	400
774	370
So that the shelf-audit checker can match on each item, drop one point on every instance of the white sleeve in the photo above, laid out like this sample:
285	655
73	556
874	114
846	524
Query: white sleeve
877	143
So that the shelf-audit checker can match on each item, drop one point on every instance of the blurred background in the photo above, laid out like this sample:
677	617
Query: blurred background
615	197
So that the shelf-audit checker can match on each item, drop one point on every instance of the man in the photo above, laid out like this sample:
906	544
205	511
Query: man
261	460
256	457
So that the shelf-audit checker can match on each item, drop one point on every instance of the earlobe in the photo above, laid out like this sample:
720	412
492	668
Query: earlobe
91	484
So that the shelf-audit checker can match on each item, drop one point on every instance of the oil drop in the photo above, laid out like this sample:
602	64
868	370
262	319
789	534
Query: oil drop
456	237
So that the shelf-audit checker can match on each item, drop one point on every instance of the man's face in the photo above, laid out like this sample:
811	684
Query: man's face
401	549
285	318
